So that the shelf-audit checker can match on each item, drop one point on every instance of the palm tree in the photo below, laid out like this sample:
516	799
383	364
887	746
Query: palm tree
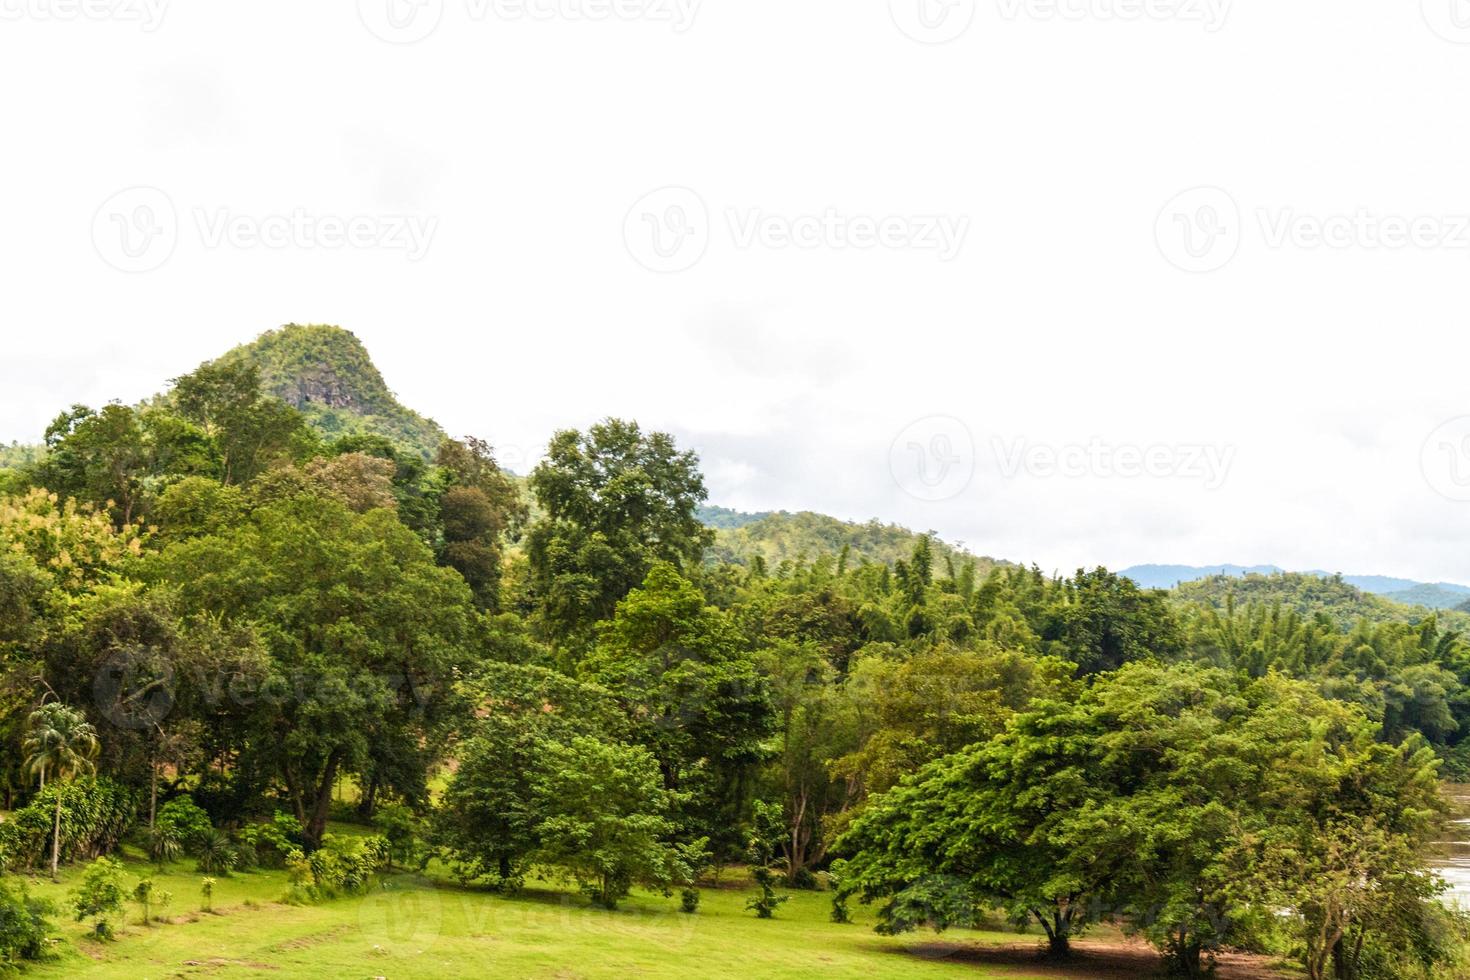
60	741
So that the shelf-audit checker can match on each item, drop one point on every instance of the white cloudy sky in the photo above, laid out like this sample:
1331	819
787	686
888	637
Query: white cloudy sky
525	148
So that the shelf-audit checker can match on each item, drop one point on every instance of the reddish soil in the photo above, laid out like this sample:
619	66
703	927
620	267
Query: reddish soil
1091	960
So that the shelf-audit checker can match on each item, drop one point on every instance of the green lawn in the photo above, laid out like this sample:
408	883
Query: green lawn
431	927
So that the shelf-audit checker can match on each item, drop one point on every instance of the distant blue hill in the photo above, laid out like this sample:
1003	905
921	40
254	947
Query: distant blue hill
1434	595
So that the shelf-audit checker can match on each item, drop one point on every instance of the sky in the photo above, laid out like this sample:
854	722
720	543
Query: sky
1071	282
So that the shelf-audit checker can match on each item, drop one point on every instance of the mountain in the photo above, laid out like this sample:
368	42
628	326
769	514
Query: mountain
725	519
326	372
1168	576
1440	595
1308	594
1437	595
783	536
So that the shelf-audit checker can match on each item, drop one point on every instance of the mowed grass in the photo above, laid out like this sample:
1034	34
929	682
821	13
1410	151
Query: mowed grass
429	926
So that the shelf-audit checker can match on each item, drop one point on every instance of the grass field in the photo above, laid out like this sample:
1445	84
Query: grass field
431	927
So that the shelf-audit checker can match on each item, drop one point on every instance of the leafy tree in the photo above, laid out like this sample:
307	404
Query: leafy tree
364	635
1108	621
480	505
1200	805
360	481
605	817
490	820
615	502
693	697
938	701
250	430
102	458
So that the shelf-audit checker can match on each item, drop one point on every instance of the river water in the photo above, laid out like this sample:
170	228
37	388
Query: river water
1451	857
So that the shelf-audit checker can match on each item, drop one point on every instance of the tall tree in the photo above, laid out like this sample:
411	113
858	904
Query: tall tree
365	635
616	500
63	744
251	430
693	696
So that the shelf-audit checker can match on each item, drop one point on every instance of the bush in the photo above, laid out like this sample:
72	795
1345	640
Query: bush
216	853
342	865
149	898
165	844
95	815
23	926
764	906
269	843
402	830
689	900
99	896
183	820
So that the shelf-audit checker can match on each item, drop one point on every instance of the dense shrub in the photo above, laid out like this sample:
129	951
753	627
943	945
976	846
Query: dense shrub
184	820
268	843
23	926
341	866
95	815
402	830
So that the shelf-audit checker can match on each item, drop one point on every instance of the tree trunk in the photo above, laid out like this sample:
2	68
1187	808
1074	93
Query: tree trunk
316	825
152	792
56	840
1058	944
368	804
796	858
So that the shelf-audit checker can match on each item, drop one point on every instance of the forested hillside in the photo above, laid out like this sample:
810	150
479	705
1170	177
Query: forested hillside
780	537
235	636
1308	595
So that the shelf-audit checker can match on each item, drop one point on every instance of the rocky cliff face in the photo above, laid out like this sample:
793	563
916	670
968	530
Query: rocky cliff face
321	388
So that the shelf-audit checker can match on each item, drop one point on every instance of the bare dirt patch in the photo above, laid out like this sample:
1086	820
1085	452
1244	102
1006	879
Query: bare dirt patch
1091	960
